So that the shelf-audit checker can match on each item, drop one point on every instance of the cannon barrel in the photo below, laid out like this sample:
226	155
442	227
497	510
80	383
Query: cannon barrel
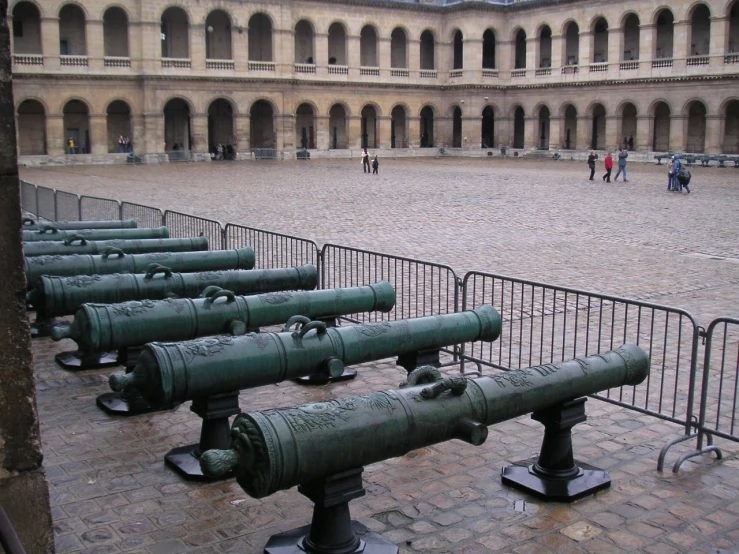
137	246
113	260
31	225
54	296
169	373
53	234
277	449
101	327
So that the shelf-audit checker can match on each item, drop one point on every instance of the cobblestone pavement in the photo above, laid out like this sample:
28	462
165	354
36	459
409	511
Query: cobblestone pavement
111	492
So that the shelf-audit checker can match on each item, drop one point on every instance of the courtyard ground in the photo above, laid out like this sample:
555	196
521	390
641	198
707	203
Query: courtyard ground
542	221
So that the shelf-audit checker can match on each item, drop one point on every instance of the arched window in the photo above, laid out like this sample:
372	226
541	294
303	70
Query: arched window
545	47
26	29
175	34
72	41
218	36
368	47
520	50
427	50
260	38
304	43
398	49
458	62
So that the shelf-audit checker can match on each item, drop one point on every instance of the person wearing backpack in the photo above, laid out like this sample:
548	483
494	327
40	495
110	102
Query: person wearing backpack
622	155
591	163
682	175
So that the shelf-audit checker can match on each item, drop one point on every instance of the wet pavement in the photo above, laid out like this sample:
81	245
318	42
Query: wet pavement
111	492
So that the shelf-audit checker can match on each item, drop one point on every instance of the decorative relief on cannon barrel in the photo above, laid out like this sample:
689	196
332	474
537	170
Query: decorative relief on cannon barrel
260	340
177	304
81	281
325	415
517	378
373	330
206	347
209	275
158	256
132	308
45	260
275	298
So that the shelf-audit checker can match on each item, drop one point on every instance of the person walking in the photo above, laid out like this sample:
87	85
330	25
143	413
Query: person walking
365	161
680	182
622	155
375	165
591	163
608	164
671	174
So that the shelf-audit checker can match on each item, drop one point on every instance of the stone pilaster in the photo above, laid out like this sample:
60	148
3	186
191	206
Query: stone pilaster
98	134
95	44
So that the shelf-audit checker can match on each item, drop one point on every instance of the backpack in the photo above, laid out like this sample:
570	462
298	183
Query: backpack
683	176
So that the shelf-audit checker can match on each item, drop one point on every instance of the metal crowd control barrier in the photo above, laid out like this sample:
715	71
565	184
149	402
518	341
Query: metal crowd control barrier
29	203
183	226
67	206
272	250
145	216
720	383
421	288
46	202
100	209
546	324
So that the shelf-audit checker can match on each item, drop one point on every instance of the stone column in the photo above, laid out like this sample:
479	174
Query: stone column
56	142
504	131
95	44
197	47
354	129
473	59
530	132
558	44
285	124
472	130
584	132
50	42
680	45
555	132
532	49
414	131
585	52
154	133
323	133
646	45
243	132
414	56
677	133
320	56
240	48
613	142
615	47
353	55
713	134
644	127
383	59
150	51
385	131
98	134
719	45
504	57
138	133
24	493
199	130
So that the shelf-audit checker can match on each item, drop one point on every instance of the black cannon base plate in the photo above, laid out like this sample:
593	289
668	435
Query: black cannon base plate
589	480
42	327
115	404
76	361
289	542
324	379
184	462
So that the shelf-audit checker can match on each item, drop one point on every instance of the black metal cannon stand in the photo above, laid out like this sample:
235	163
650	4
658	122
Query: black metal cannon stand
555	476
77	360
414	360
332	531
42	326
320	378
214	433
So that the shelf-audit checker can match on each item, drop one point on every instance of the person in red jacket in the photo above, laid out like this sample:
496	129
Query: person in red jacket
609	166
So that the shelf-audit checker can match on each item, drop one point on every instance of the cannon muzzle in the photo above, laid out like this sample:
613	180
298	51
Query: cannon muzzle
30	225
277	449
175	372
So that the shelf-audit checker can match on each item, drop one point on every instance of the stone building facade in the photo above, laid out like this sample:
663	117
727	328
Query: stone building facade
341	74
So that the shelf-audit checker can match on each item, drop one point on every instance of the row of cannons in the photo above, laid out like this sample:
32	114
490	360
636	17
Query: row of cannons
195	336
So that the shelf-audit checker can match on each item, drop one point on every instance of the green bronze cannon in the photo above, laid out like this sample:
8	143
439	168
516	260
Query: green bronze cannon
31	225
211	371
99	327
55	235
137	246
54	296
322	447
113	260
